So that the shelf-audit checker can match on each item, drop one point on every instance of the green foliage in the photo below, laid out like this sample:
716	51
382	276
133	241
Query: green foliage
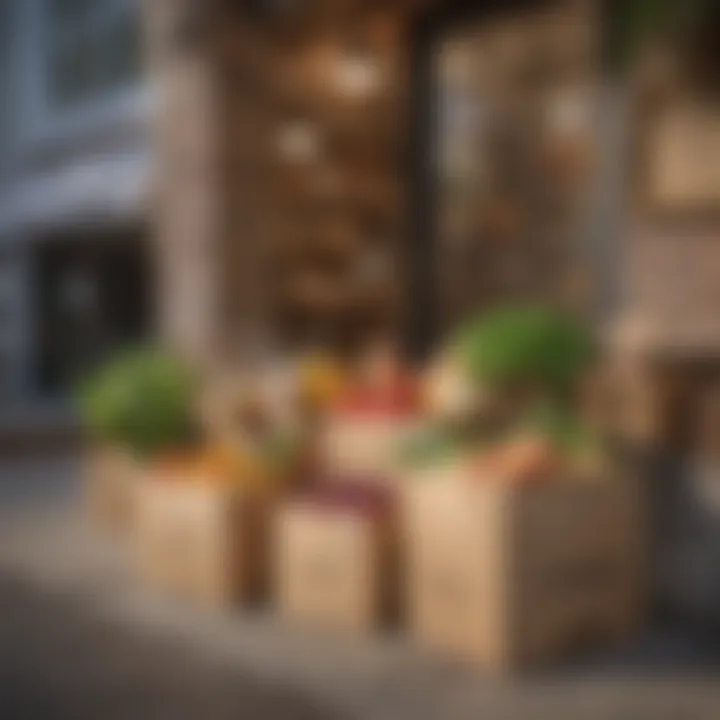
141	400
439	443
564	429
529	347
560	425
428	447
633	22
280	451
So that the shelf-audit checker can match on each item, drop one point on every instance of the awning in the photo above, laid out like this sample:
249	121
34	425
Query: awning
109	190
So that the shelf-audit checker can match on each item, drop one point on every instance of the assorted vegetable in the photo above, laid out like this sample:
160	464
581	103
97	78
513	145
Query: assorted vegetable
500	396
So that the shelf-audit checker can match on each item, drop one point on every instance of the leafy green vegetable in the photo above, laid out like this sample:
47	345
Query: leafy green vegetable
632	22
280	450
142	400
430	446
526	347
560	425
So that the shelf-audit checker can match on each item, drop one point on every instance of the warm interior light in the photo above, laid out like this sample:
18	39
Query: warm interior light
569	113
356	75
298	140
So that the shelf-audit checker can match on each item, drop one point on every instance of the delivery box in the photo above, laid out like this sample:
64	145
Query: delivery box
335	567
110	479
509	576
202	541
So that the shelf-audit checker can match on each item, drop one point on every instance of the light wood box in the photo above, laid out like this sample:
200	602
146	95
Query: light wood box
508	577
365	447
111	475
335	570
202	542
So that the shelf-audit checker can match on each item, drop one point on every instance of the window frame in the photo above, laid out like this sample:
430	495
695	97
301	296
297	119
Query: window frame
100	17
41	124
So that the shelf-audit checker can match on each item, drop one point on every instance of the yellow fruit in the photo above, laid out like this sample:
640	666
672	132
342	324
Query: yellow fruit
322	381
217	460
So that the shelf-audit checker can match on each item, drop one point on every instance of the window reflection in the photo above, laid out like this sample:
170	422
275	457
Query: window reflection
93	48
511	130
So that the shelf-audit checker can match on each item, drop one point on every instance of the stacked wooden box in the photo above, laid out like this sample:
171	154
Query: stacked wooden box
336	569
337	549
510	576
202	541
111	476
500	572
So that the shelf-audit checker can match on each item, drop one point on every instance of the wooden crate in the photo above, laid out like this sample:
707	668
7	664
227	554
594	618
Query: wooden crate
109	489
203	542
336	570
512	576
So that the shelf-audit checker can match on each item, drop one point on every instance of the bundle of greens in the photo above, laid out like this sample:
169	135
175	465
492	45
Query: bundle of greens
526	348
142	400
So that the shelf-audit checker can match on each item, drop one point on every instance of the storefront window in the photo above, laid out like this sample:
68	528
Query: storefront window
93	48
510	142
93	300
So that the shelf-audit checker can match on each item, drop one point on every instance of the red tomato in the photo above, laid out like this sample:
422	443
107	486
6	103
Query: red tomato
400	399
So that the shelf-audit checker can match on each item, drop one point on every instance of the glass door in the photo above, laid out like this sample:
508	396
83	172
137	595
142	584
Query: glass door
93	299
508	144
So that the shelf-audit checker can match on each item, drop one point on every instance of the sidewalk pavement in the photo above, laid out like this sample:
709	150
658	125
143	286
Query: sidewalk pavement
101	647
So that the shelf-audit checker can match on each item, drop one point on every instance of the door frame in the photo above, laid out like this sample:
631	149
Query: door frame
59	249
423	327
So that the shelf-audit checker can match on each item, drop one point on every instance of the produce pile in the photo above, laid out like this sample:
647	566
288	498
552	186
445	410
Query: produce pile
500	399
325	486
149	404
503	400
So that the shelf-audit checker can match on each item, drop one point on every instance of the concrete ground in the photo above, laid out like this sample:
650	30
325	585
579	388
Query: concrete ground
79	639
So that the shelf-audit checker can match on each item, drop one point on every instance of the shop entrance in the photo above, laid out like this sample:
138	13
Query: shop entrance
93	297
